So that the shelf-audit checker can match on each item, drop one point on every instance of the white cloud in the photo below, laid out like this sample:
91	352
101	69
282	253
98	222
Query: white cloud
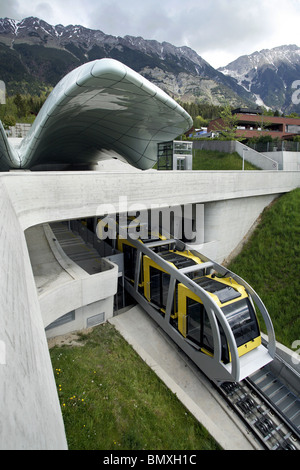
219	30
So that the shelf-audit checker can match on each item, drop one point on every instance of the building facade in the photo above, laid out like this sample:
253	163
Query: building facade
252	123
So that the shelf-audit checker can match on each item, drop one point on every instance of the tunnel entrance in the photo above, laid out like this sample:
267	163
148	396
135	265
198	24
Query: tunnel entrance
102	233
106	249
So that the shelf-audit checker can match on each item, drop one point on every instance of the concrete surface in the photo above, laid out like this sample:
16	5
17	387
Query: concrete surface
42	197
183	379
287	161
30	414
86	286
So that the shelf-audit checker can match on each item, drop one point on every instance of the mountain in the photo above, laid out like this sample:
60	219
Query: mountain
269	75
35	54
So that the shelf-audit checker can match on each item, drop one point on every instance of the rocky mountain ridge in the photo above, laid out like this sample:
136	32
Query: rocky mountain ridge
269	74
42	49
33	52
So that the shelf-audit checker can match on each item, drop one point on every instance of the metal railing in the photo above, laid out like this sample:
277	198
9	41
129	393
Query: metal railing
282	146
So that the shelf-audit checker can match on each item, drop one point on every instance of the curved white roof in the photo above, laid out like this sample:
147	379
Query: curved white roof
102	105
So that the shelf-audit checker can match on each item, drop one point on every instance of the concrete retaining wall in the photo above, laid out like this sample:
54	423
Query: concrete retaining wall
44	197
30	413
287	161
227	146
255	158
63	286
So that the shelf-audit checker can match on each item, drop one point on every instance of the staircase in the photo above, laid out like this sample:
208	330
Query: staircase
77	250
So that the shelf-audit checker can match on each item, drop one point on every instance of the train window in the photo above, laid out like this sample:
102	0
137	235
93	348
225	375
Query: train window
242	320
224	345
159	287
198	325
207	341
129	261
199	329
155	286
194	320
165	281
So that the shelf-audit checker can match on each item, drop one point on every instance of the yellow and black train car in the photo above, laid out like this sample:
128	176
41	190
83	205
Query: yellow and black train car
188	314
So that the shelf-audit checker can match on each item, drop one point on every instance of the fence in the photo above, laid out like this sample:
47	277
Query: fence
282	146
19	130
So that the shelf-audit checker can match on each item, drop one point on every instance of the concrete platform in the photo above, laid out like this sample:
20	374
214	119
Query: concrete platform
183	379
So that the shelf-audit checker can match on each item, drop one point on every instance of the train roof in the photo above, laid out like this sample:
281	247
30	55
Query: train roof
224	292
179	261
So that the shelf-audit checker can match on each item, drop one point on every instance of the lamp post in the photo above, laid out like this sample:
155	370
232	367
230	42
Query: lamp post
244	150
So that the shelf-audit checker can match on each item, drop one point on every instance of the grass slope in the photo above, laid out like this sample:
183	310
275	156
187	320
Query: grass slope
270	262
111	400
212	160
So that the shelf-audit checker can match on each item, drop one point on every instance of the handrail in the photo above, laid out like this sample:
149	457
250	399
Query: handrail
255	297
213	310
240	148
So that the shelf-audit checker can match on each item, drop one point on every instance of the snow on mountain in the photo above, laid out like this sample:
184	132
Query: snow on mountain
268	74
263	77
178	70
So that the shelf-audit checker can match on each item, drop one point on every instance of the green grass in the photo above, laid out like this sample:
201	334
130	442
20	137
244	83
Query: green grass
112	400
212	160
270	263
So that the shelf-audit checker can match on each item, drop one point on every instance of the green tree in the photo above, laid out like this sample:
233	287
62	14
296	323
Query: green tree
294	115
22	105
199	121
8	120
227	126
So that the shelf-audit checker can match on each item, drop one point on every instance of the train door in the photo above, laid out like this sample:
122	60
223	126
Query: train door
129	261
194	324
198	328
158	287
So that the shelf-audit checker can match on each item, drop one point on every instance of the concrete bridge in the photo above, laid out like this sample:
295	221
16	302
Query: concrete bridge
30	416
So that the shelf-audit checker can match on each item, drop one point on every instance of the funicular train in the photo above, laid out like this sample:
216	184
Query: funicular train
210	312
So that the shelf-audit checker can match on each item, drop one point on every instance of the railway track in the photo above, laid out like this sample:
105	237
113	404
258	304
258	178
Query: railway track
268	407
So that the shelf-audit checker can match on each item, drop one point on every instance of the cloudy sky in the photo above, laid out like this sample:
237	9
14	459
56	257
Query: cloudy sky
219	30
